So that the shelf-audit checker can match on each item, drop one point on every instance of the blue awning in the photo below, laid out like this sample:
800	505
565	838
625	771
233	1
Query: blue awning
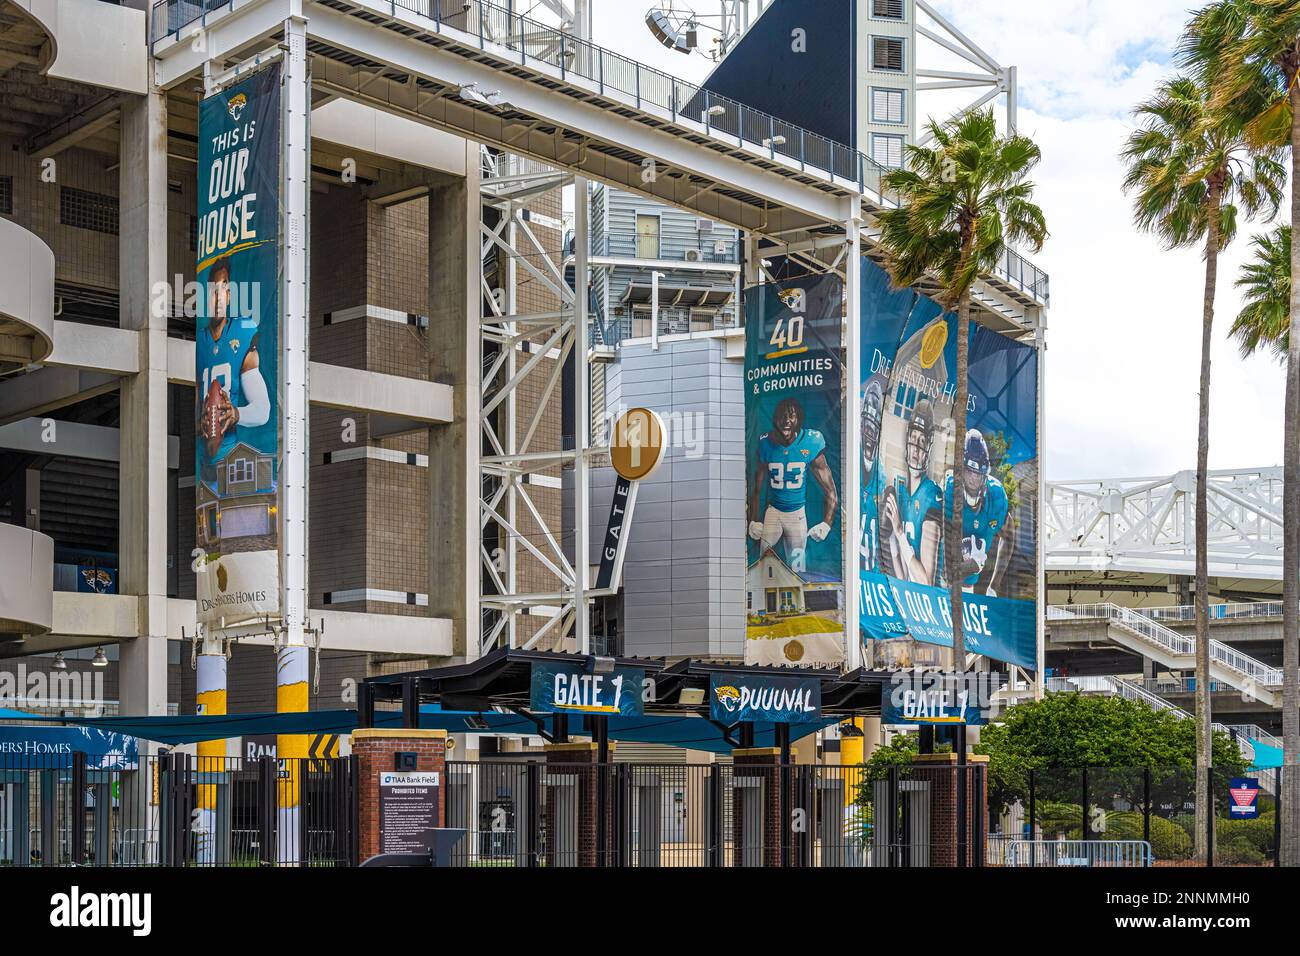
690	732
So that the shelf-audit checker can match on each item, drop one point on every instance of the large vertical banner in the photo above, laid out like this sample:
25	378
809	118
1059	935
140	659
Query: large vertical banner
237	351
793	424
912	476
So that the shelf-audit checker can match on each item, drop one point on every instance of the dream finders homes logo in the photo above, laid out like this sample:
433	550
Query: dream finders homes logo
78	909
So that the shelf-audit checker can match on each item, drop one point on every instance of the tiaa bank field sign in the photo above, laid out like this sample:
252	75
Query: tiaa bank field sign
782	700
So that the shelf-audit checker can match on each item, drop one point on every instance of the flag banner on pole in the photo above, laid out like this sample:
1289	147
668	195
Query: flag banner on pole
793	440
237	353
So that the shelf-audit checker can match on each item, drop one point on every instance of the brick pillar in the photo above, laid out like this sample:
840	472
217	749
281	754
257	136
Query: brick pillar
375	749
940	771
756	767
577	766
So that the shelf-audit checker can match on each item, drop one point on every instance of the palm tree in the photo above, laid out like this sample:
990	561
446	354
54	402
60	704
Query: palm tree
1249	53
962	201
1188	168
1265	281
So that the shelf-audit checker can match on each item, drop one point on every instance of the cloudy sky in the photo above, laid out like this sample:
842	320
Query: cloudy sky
1124	337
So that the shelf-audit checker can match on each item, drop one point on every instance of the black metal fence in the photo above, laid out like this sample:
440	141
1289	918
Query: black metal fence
1111	805
532	814
177	810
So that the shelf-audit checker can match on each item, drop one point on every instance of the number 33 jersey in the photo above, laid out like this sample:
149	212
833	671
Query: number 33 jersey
787	467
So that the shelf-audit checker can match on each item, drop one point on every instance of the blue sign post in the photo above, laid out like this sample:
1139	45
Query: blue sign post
570	689
734	698
1245	798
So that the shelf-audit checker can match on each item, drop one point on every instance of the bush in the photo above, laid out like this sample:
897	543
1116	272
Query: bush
1169	841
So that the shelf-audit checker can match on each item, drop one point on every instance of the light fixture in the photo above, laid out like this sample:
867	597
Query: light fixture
774	141
716	109
676	31
600	665
101	659
690	696
59	663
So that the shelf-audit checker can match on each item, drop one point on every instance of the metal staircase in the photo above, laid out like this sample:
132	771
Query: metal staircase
1152	640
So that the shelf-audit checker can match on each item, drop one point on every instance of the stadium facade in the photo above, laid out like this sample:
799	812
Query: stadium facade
456	388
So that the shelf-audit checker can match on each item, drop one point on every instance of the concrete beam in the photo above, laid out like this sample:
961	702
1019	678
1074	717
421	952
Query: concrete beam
89	620
96	348
68	132
72	440
48	390
335	386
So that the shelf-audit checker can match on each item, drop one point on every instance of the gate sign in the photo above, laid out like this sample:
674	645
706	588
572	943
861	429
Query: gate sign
782	700
1245	798
568	688
938	699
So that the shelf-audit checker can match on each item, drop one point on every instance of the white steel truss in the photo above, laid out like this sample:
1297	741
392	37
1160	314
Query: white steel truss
1148	524
986	72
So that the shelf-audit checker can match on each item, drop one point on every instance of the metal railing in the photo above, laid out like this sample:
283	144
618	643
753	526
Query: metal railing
1176	643
488	24
1051	853
1245	610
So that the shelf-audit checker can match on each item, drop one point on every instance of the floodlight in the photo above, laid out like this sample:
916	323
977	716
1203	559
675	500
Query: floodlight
676	31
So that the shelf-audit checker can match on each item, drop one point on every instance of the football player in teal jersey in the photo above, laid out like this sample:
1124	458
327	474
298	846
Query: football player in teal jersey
984	517
913	508
227	400
873	479
785	456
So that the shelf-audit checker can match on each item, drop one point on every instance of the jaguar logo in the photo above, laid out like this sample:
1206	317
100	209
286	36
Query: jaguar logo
235	106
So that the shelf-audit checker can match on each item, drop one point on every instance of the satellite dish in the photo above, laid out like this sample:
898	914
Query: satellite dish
677	30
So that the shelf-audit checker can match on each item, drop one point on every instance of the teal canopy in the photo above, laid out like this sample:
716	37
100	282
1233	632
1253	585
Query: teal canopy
1266	756
690	732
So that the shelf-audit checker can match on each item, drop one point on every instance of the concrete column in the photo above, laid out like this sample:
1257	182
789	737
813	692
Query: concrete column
143	436
25	494
455	284
142	484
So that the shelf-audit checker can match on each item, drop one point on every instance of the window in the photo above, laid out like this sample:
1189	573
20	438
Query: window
647	236
887	106
887	9
887	150
87	210
6	195
887	54
241	469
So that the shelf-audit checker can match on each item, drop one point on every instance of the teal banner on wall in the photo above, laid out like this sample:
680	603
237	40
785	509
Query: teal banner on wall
237	352
793	435
912	475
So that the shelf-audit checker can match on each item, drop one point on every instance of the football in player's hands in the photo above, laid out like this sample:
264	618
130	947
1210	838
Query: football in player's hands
756	530
216	407
820	532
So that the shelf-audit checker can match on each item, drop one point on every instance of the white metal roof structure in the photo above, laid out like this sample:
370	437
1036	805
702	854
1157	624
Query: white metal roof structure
1147	525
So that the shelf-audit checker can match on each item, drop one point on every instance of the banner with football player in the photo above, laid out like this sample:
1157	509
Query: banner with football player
793	421
237	348
911	475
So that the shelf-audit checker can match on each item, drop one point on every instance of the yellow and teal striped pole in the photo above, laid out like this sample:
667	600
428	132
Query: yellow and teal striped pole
210	701
291	697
